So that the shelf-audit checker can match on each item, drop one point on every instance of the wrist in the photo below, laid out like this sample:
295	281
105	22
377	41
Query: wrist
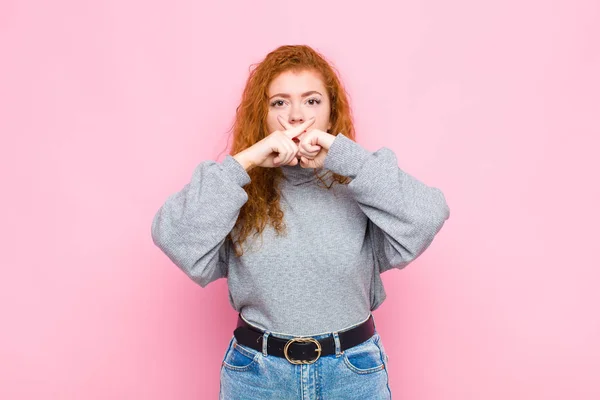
244	160
327	141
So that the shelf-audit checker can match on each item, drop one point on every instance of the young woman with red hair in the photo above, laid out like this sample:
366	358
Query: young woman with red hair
327	217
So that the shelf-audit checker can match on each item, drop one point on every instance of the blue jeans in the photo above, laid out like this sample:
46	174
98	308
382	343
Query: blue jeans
360	372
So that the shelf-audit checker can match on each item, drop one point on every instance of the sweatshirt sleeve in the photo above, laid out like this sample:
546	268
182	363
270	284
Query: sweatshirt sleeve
404	213
192	225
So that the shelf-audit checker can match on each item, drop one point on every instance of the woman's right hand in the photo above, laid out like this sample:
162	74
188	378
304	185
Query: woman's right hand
277	149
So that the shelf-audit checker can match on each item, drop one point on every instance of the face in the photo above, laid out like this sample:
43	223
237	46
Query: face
298	96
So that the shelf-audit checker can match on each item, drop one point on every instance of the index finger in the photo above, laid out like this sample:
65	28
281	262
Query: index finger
286	125
295	131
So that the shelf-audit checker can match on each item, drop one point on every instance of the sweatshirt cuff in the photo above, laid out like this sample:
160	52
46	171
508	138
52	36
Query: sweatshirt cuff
345	156
235	170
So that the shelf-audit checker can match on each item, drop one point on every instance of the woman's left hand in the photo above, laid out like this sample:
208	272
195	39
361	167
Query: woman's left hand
312	145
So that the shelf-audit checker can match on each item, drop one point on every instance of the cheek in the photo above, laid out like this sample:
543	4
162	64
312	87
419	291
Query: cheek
323	120
272	122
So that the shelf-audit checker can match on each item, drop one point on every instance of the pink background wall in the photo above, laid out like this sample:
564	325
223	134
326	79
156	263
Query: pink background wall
106	107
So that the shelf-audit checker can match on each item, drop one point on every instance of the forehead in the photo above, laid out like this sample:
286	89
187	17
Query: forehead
296	82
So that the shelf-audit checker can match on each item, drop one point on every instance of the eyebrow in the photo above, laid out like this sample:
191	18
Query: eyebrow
287	96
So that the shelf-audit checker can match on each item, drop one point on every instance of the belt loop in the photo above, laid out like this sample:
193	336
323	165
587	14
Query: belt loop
264	343
338	346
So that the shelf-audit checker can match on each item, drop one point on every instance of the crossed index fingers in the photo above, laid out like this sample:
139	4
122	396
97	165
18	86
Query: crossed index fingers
292	131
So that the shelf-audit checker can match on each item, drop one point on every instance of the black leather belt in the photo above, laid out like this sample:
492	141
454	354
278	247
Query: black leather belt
302	349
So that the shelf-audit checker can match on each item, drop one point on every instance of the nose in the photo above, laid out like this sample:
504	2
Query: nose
296	117
296	121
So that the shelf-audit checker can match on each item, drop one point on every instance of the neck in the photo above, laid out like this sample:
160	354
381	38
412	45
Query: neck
297	175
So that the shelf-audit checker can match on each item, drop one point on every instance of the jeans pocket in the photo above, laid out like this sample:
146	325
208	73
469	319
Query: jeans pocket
366	357
239	357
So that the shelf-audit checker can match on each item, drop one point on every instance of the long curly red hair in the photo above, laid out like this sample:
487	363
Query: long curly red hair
250	126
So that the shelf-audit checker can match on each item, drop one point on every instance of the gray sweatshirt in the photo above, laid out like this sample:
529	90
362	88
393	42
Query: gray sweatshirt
324	275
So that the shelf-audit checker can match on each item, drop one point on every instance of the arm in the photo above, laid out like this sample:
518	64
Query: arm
404	213
192	225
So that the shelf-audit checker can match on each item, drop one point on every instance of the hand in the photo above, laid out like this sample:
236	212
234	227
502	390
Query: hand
312	147
276	149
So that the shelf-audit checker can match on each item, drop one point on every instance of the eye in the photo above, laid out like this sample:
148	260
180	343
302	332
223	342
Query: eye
277	103
314	101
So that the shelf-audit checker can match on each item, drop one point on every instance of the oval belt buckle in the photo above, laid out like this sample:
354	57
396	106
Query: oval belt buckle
302	339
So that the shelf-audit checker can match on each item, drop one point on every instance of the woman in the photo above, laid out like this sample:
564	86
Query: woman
327	217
